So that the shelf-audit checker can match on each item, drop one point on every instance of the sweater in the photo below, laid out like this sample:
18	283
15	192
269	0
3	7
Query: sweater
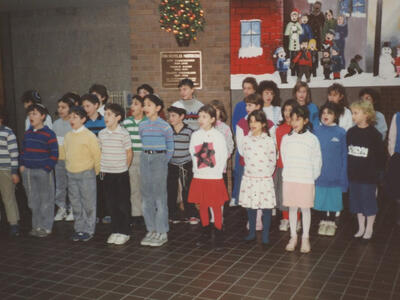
301	157
332	140
39	149
192	111
365	156
281	131
132	126
303	58
209	154
273	114
181	146
238	113
8	150
60	128
381	125
314	114
346	120
226	131
157	136
82	151
95	125
394	135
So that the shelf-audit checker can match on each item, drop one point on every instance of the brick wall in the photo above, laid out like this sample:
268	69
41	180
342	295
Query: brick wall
148	40
270	12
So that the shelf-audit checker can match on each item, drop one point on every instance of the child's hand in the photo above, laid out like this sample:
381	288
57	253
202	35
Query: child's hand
15	178
21	169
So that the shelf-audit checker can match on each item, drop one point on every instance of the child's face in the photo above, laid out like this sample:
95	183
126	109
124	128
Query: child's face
304	45
250	107
335	97
76	121
143	92
286	113
62	109
334	52
150	109
301	95
298	123
205	120
359	117
326	54
111	119
367	97
340	20
248	89
304	19
136	108
268	96
90	108
255	126
327	117
101	99
329	15
27	104
175	119
329	36
36	118
186	92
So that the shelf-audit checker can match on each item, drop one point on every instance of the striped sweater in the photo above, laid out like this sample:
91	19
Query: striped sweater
96	125
8	150
181	146
157	135
39	149
132	126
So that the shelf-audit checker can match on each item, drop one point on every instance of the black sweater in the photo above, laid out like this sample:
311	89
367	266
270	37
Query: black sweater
365	154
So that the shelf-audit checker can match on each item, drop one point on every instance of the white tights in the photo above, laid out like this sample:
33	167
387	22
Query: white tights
306	217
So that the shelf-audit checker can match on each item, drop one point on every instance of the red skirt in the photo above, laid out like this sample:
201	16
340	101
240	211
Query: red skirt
208	192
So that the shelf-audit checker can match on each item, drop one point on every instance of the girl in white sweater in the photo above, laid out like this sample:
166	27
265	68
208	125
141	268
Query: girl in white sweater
302	162
337	94
207	189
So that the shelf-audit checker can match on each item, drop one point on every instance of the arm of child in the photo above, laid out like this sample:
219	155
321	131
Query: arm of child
96	153
129	156
221	153
316	158
239	139
169	142
392	134
53	151
128	148
343	177
13	150
229	141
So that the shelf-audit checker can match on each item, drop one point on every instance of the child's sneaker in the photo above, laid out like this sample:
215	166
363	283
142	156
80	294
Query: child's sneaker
158	240
305	245
147	239
84	236
61	214
194	221
323	226
106	220
284	226
292	244
34	232
330	229
121	239
76	237
111	239
14	230
42	233
70	216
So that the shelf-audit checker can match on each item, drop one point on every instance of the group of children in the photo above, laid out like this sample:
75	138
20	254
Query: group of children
116	169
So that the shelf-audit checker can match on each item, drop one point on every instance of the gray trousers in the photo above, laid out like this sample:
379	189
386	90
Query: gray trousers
61	184
82	195
7	189
39	188
134	180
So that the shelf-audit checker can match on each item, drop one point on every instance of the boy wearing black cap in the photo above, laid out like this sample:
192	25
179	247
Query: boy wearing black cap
180	167
33	97
304	60
158	148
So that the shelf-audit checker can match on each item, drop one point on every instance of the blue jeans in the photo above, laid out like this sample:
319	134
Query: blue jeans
237	177
154	171
82	195
61	184
39	187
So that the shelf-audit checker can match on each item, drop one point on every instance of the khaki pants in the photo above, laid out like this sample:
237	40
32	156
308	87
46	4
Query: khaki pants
7	189
134	180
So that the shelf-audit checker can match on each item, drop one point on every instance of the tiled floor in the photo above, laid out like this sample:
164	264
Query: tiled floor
337	268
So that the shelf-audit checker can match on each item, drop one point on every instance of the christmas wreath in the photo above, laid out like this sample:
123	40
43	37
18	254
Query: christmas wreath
184	18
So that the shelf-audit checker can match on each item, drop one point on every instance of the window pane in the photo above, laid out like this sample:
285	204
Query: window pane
255	27
246	41
245	28
255	40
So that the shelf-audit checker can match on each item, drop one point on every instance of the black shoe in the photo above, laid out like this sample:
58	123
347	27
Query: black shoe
205	236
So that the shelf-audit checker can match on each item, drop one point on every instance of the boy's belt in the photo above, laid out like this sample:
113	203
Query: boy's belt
154	151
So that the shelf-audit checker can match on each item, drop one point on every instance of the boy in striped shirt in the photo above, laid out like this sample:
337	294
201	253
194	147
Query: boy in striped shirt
38	157
116	157
158	147
131	124
180	167
8	174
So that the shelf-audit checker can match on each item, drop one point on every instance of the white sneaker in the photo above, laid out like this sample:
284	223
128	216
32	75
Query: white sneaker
323	226
284	226
70	216
61	214
292	244
158	240
330	228
111	239
194	221
147	239
305	245
232	203
121	239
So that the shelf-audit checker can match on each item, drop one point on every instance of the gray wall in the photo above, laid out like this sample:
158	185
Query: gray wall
57	50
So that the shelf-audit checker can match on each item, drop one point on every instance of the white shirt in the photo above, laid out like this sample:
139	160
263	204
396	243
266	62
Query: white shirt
346	120
100	110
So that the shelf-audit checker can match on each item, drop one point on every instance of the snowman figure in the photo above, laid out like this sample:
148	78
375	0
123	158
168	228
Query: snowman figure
386	62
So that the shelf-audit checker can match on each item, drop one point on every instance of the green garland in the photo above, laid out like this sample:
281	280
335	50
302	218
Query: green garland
184	18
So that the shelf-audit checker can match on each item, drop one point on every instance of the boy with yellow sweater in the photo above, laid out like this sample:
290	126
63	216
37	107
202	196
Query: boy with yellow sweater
82	161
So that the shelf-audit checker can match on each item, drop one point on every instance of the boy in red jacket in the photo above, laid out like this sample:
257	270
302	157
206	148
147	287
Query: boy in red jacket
304	61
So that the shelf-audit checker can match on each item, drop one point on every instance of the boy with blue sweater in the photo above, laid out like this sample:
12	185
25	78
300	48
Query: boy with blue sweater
38	157
158	148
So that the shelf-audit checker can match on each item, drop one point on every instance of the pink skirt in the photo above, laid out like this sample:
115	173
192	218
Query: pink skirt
298	194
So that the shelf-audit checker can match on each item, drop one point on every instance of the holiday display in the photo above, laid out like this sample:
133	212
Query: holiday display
184	18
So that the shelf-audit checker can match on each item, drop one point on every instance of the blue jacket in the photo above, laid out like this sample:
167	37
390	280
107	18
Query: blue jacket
334	156
307	32
314	115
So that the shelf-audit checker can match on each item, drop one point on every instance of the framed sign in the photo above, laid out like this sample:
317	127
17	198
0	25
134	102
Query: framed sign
178	65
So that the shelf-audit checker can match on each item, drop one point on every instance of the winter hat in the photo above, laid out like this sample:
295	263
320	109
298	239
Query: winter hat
332	31
295	10
177	108
278	50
